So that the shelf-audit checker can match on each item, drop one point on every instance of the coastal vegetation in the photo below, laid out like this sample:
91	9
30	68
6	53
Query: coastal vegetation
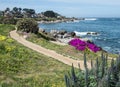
22	67
44	40
50	14
27	13
5	20
104	73
82	45
27	25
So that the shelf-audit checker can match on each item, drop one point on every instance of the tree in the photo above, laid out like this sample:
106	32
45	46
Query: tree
17	12
50	14
28	12
27	25
7	13
7	9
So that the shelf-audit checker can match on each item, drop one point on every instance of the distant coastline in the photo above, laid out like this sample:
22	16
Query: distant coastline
107	28
62	20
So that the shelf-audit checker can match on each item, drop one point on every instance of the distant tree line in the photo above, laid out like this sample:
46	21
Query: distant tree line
11	16
27	13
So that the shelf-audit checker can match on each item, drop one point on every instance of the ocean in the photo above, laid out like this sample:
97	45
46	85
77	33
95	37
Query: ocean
108	29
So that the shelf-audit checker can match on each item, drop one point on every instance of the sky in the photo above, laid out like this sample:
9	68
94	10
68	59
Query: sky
69	8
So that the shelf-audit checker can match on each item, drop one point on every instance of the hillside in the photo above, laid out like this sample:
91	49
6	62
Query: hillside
22	67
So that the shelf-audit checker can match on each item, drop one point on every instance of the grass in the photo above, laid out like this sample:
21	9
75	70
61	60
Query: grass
22	67
64	50
5	29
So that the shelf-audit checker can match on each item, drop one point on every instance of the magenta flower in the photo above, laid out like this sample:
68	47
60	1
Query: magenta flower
81	45
93	47
81	48
74	42
78	44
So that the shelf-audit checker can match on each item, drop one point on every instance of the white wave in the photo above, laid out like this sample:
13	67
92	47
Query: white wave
80	33
90	19
76	21
85	33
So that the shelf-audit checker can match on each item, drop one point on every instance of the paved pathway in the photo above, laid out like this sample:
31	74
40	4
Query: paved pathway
47	52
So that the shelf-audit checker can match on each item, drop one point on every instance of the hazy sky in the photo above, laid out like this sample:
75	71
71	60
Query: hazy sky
76	8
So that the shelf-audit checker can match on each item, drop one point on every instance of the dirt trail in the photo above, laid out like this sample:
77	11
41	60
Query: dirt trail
47	52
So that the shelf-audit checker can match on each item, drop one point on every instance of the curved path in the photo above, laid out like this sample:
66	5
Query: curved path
48	52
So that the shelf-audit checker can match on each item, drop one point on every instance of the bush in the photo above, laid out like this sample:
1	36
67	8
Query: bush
5	20
27	25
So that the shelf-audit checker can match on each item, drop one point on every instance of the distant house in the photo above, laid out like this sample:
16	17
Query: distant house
40	15
8	14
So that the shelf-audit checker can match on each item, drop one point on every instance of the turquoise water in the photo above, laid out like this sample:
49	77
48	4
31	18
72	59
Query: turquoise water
108	28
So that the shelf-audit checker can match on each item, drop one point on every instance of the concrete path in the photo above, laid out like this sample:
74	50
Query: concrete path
47	52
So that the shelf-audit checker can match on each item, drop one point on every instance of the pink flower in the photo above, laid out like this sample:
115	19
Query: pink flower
81	45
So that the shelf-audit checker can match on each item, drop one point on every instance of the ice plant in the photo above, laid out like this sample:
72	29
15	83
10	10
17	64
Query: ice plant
78	44
93	47
82	45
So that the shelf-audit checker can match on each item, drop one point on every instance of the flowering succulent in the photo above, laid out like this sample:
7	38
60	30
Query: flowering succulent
93	47
78	44
82	45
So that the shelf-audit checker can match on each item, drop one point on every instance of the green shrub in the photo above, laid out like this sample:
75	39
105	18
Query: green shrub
50	14
5	20
27	25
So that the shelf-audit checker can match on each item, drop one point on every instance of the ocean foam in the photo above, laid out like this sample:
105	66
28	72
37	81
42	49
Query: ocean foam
76	21
90	19
80	33
85	33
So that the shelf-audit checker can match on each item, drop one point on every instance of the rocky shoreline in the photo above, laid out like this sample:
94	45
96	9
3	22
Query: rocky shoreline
63	36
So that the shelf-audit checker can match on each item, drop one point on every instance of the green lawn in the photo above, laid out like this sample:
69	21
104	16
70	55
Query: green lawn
22	67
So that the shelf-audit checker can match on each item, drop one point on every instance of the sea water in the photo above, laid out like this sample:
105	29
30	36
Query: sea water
108	29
